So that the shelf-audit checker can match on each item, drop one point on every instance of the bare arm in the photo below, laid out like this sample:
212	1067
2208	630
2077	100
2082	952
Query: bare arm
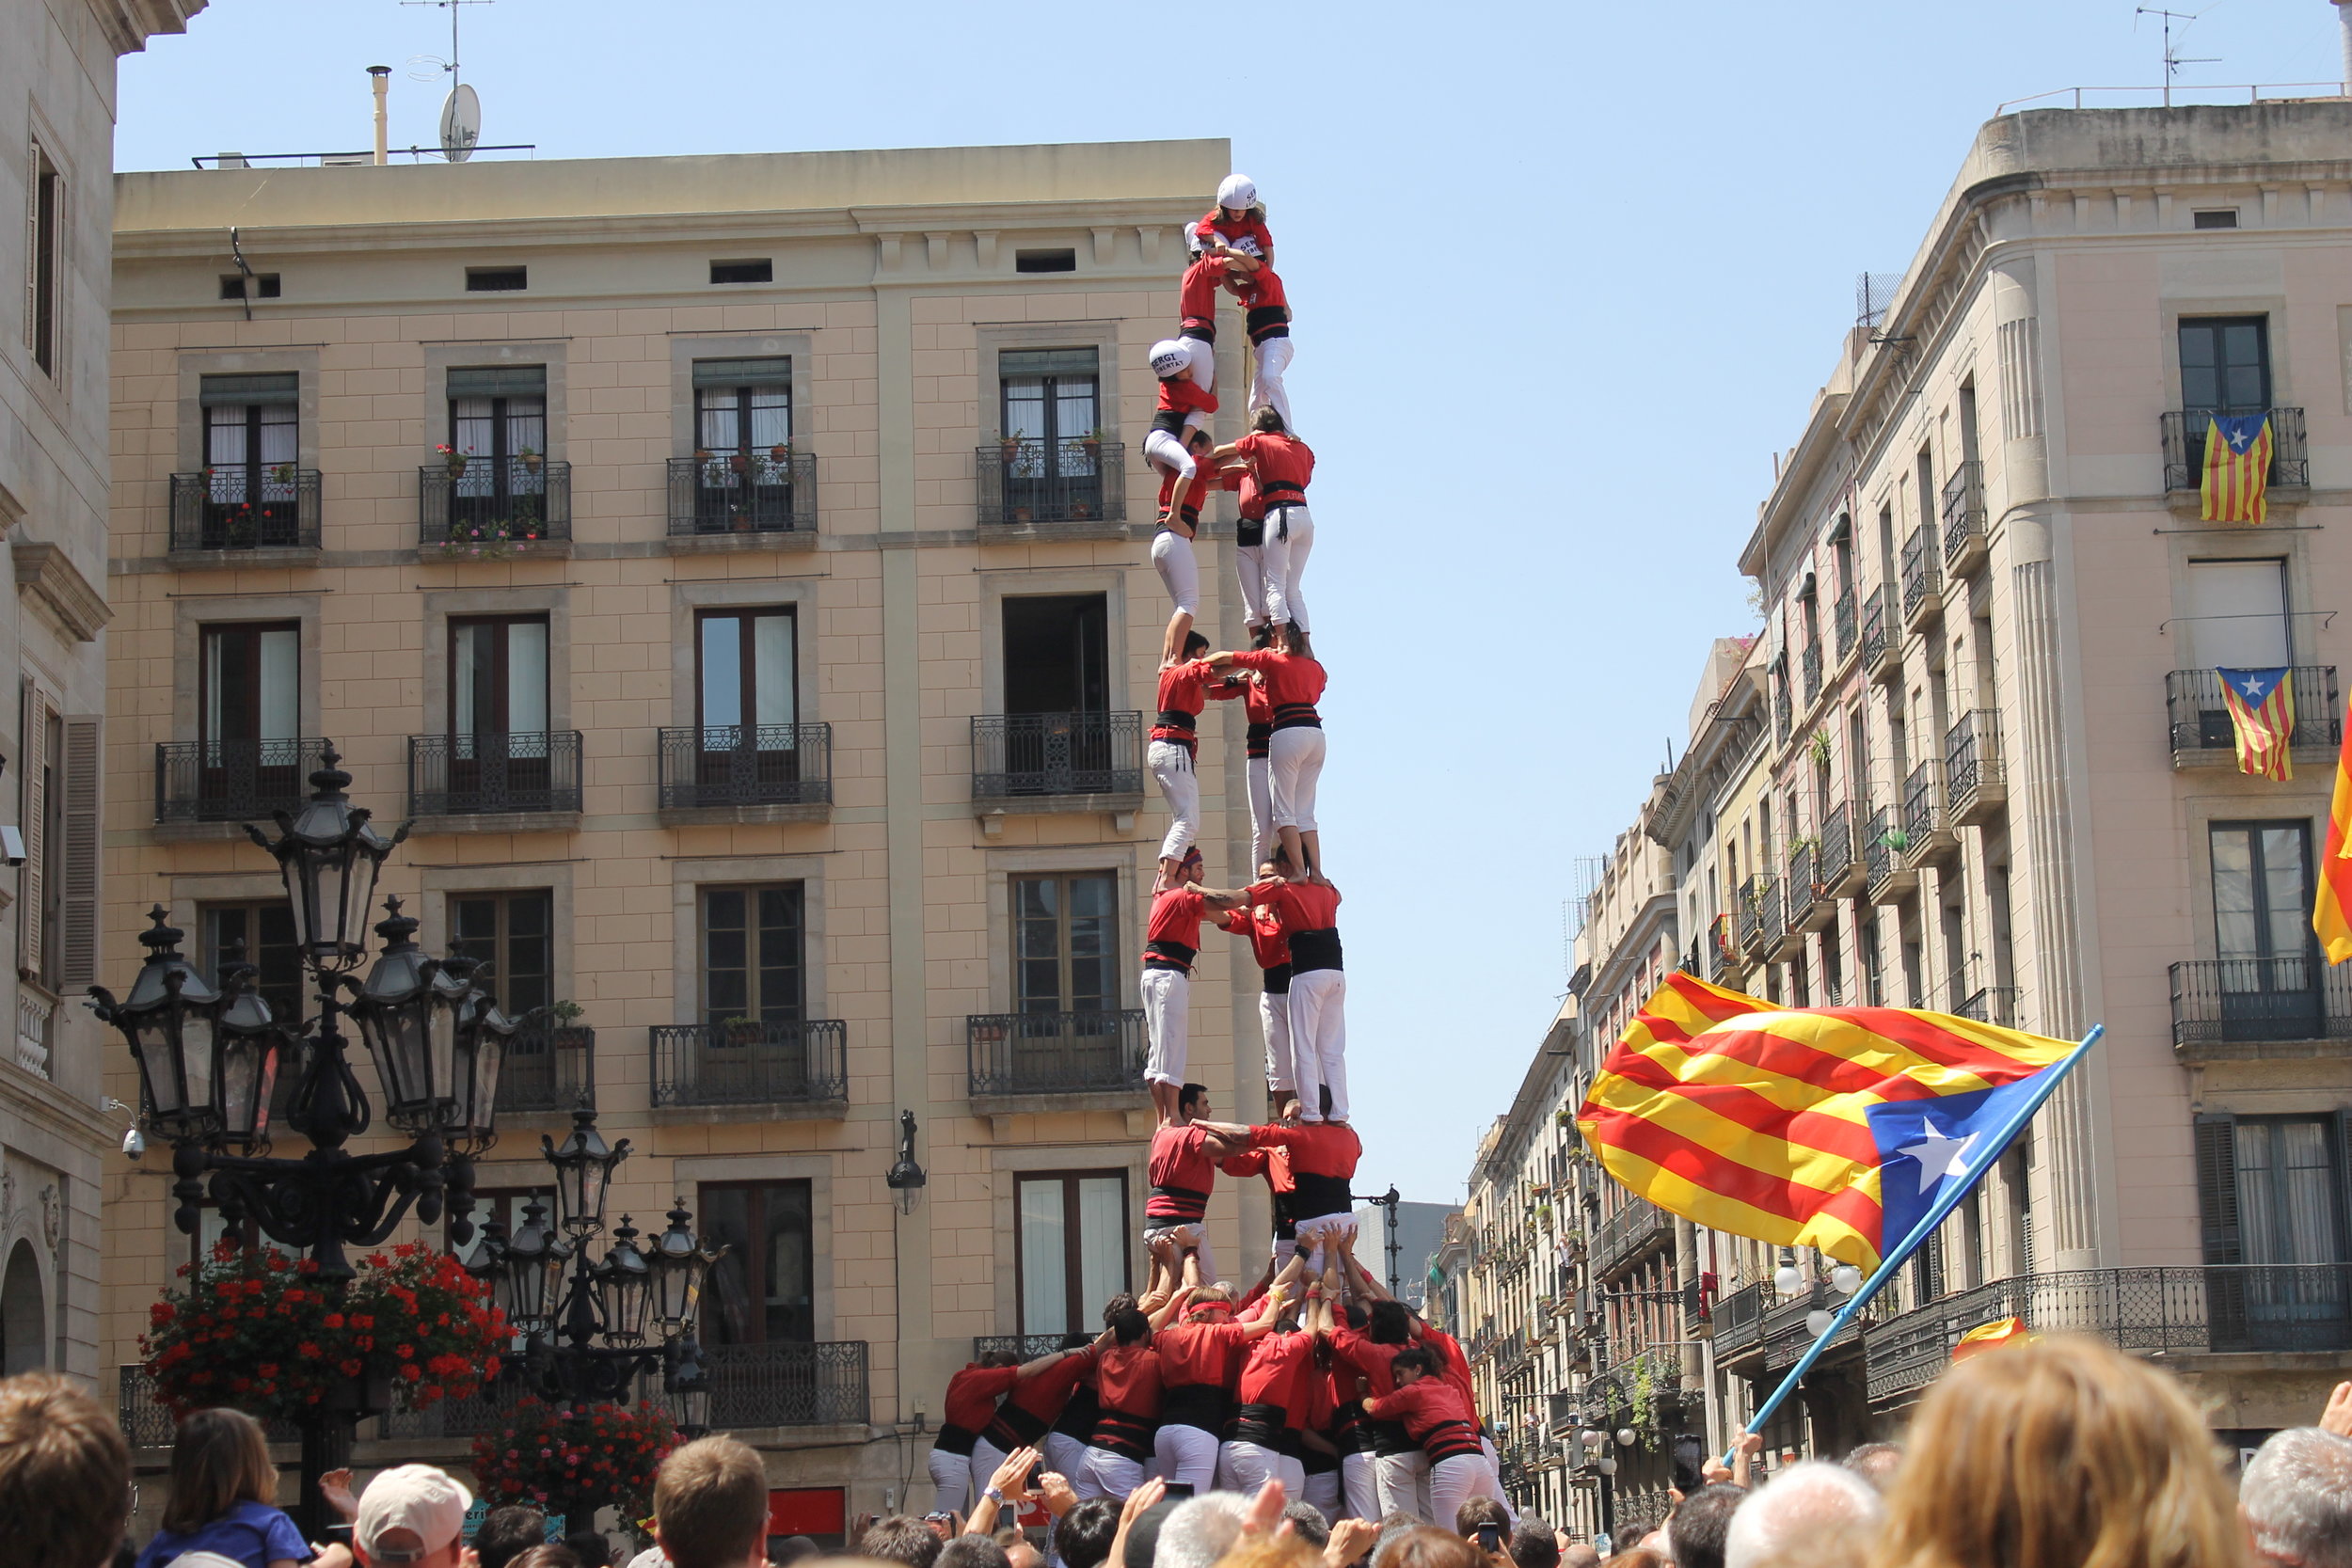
1052	1357
1176	1304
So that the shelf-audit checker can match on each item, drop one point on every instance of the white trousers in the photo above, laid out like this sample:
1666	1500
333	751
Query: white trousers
951	1474
1322	1487
1180	786
986	1456
1168	1017
1273	1017
1360	1480
1260	773
1194	1235
1105	1474
1289	534
1293	768
1457	1481
1273	357
1172	558
1245	1467
1165	450
1065	1455
1319	1042
1403	1481
1186	1453
1317	1236
1250	564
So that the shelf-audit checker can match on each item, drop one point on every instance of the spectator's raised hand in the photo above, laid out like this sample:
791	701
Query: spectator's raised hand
1013	1476
1351	1541
1264	1518
1060	1496
2337	1418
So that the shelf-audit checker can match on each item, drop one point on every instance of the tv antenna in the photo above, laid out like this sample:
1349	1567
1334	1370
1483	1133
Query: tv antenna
461	111
2172	62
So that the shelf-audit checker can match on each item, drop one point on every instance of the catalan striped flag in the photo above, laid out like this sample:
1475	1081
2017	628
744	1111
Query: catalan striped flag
2331	912
1985	1337
1827	1126
2237	463
2261	711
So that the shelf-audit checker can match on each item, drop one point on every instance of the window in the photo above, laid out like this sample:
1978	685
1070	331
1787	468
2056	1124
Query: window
759	1291
498	412
1065	936
2214	217
1057	654
743	405
2268	972
2237	617
1052	444
251	433
1072	1248
754	942
2225	364
1045	261
498	675
233	286
2287	1203
511	932
263	933
483	280
761	270
45	268
249	693
2270	1193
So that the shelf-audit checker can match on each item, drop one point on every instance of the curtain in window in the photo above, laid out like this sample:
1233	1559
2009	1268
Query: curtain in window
2286	1192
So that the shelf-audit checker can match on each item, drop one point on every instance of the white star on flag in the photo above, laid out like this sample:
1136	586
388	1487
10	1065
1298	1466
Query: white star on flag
1939	1156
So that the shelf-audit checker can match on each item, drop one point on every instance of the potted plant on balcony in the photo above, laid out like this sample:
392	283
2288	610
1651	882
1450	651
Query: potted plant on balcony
738	462
452	460
281	473
741	1029
530	460
781	453
1009	446
1093	442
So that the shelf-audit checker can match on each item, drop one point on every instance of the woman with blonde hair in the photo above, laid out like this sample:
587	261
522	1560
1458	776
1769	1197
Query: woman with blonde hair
223	1497
2059	1454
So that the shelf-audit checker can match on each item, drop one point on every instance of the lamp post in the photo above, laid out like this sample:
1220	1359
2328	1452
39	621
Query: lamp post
592	1330
209	1058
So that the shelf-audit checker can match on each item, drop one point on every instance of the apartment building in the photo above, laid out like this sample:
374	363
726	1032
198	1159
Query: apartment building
735	568
57	91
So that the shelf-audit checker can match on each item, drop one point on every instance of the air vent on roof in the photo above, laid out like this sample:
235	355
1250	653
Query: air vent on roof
232	286
761	270
2218	217
481	280
1045	261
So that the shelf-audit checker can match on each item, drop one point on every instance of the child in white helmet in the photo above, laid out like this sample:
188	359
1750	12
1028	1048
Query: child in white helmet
1235	228
1185	405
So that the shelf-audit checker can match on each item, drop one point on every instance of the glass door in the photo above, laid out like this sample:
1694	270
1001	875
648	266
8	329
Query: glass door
747	702
2261	900
497	708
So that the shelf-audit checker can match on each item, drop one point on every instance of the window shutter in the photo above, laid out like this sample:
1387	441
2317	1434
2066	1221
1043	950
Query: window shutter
77	959
744	372
32	244
2217	1187
238	391
497	381
31	896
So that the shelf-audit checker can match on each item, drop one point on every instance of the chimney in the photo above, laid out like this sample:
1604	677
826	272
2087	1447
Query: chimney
381	75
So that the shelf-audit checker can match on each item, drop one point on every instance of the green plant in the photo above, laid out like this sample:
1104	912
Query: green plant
1895	838
571	1462
1644	1396
561	1013
1819	747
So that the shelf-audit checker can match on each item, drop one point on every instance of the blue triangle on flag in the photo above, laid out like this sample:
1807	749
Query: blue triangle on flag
2241	430
2252	686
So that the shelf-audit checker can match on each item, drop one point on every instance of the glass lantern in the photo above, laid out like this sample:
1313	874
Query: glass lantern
534	1257
681	1262
328	856
247	1037
625	1287
583	1172
401	1010
169	1018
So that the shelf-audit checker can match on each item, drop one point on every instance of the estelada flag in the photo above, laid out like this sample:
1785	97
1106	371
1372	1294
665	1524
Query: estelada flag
2001	1331
1826	1127
2261	711
2237	464
2331	912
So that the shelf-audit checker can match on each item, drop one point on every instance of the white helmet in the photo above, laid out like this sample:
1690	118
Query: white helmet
1238	190
1170	354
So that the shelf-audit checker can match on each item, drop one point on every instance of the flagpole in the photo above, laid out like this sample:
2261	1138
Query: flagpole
1945	1203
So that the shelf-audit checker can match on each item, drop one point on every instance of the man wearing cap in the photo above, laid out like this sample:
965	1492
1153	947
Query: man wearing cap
412	1516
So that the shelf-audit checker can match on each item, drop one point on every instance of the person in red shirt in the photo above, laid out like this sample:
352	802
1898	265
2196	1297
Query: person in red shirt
1236	227
965	1412
1184	366
1271	948
1294	748
1269	321
1440	1420
1181	1168
1284	466
1200	1356
1307	914
1195	307
1184	690
1171	942
1322	1159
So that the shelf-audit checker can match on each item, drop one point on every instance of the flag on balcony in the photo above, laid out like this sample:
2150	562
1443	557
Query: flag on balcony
2331	912
2237	461
2001	1331
2262	710
1829	1127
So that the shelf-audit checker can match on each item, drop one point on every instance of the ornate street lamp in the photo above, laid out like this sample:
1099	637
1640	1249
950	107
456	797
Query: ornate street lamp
329	856
584	1171
680	1264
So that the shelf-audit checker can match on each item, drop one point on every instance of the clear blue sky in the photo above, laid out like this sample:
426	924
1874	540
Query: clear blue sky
1565	276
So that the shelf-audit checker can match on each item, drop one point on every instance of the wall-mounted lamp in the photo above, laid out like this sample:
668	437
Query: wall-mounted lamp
905	1177
134	1141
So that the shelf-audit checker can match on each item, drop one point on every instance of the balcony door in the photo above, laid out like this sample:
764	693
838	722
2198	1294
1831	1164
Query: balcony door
755	950
747	702
1051	414
250	441
1057	692
513	933
2225	365
2271	1191
1072	1248
761	1290
497	706
248	714
2262	901
498	420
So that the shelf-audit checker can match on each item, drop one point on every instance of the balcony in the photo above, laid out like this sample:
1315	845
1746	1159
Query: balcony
533	774
1927	836
147	1422
1887	875
1964	520
2200	720
270	507
1740	1320
2183	437
1802	867
1785	1334
1975	785
549	1069
2243	1008
1810	663
2220	1309
1994	1004
1723	952
1024	483
1781	716
1059	761
232	781
1842	623
1027	1056
746	773
758	500
1761	922
1841	870
1923	577
1022	1347
787	1383
1627	1232
795	1066
1881	644
490	508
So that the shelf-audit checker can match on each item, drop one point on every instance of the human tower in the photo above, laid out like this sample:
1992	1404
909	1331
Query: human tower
1315	1374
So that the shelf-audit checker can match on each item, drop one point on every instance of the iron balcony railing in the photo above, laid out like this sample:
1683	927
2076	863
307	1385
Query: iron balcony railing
147	1422
1787	1331
549	1069
1751	897
751	1062
1923	569
2234	1006
1056	1053
1963	512
743	491
1837	862
1804	872
1781	711
1883	848
1810	661
1624	1232
272	506
2219	1308
232	781
1877	621
2199	719
1842	621
488	1409
2182	434
1972	763
789	1382
1739	1318
1923	810
489	505
1075	481
476	775
1018	754
746	765
1022	1347
1994	1004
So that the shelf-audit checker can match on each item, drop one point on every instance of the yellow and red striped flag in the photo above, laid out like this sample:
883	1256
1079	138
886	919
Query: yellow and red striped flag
2331	912
1826	1127
1992	1336
2262	714
2237	464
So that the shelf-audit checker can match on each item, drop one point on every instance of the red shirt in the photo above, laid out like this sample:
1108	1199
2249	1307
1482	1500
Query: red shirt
1047	1393
1127	1379
1282	463
1252	504
1186	397
1369	1361
1268	943
1201	1352
1201	486
1424	1405
1293	681
1197	300
1299	906
1276	1372
1453	1364
1178	1159
1245	234
1257	702
1172	938
1260	290
971	1401
1187	688
1322	1163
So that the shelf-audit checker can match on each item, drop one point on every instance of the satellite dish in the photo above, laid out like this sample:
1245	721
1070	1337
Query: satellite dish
461	123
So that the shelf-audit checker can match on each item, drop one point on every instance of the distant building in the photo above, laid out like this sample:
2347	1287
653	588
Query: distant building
1420	1232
